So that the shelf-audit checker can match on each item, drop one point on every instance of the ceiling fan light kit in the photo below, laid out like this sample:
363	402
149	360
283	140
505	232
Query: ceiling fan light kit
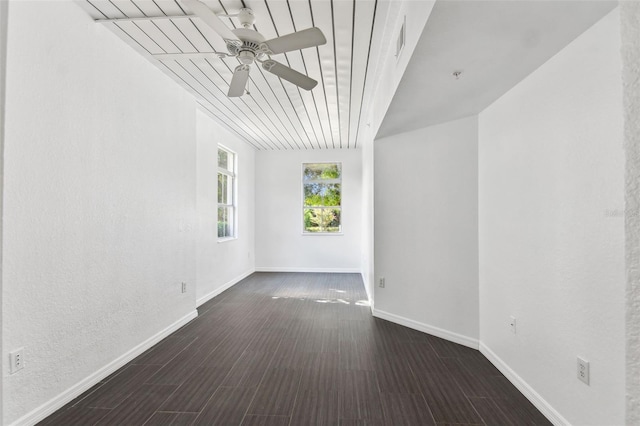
249	46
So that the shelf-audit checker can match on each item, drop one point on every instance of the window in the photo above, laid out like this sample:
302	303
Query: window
226	194
322	197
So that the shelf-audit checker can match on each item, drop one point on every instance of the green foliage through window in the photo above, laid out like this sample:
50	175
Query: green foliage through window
322	189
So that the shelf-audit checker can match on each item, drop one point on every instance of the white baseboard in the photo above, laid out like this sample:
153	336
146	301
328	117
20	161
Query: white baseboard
429	329
301	269
223	287
534	397
76	390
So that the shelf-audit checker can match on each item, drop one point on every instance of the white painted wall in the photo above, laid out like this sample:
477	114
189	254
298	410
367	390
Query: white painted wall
552	229
630	20
367	256
280	243
99	202
383	76
222	264
4	14
426	229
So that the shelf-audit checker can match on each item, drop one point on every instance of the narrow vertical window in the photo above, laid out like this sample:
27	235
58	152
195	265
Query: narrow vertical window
226	194
322	197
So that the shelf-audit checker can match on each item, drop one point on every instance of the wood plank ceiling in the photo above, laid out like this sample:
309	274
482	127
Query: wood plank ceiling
275	115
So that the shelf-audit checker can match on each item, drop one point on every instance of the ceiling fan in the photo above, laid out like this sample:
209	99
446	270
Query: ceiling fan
250	46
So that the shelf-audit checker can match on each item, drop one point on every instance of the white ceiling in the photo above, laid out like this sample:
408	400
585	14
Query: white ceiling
276	114
494	43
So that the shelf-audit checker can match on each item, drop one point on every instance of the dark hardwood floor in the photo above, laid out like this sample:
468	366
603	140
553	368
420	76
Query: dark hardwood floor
283	349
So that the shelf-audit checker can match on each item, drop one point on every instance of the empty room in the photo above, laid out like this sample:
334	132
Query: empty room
320	212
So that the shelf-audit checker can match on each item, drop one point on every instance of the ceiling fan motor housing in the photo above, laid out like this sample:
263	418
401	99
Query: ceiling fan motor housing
250	47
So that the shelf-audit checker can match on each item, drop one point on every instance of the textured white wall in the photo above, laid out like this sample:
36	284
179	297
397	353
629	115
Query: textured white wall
367	256
221	264
99	201
280	244
426	226
552	230
630	19
4	14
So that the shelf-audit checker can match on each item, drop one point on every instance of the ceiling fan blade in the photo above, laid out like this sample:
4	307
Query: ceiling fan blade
211	19
239	81
299	40
291	75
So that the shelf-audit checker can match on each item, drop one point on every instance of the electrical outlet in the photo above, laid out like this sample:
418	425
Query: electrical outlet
184	287
512	324
583	370
381	282
16	360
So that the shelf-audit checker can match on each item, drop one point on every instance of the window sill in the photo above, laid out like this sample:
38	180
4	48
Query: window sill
226	239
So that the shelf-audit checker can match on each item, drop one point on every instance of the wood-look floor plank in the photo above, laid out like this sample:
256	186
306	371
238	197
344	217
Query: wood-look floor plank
196	390
521	411
249	369
75	416
422	359
362	422
396	377
294	349
226	407
139	406
176	371
163	418
446	400
289	358
323	374
251	420
116	390
406	410
276	394
317	408
480	386
359	396
446	349
352	357
480	366
490	413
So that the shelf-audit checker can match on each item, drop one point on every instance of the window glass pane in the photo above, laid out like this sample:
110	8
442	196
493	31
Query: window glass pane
312	217
231	162
335	224
225	222
322	194
315	171
225	160
332	195
222	158
322	197
322	220
312	194
226	194
223	189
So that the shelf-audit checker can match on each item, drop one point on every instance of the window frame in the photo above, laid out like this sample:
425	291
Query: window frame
233	176
340	207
